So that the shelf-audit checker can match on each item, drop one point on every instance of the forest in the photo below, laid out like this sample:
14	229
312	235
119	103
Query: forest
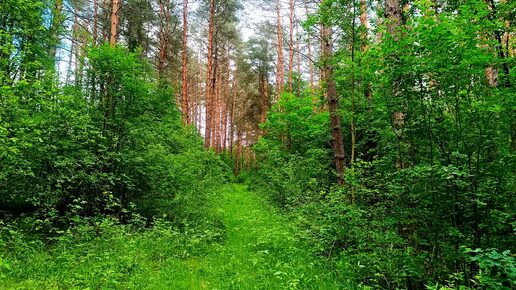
258	144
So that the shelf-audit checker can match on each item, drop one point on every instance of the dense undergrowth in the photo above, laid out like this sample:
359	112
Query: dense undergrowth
398	232
103	253
429	140
101	184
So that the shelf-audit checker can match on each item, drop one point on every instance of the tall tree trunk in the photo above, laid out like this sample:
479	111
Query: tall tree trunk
364	24
280	68
200	93
392	15
232	115
333	101
238	154
214	86
225	107
209	76
164	31
115	9
264	88
352	121
216	109
184	103
291	47
393	21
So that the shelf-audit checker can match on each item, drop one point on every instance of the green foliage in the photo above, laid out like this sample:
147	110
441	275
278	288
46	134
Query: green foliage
101	253
497	270
66	153
292	155
434	151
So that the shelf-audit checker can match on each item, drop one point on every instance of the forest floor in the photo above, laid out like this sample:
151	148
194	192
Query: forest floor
260	252
262	249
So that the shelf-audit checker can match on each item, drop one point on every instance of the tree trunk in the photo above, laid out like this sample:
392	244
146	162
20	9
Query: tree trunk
184	102
298	41
216	109
393	21
352	121
232	115
333	103
199	98
291	47
238	152
280	69
115	9
392	15
209	76
163	37
225	107
264	88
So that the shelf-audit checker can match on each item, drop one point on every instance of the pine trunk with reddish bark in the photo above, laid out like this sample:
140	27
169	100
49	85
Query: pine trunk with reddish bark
291	47
115	9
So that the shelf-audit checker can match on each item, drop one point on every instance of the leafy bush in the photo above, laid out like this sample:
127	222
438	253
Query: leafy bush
497	270
69	155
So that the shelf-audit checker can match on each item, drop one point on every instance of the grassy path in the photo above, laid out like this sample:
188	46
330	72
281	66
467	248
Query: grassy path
260	251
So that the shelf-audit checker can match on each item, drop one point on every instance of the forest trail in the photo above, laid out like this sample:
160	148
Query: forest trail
260	250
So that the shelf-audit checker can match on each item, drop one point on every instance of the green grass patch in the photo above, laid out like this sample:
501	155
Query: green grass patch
259	249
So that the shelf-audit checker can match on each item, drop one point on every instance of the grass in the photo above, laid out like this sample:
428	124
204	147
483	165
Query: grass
260	251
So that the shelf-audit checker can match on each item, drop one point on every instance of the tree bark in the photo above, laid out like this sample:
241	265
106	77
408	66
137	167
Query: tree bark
209	77
264	88
238	155
291	47
164	31
115	9
298	41
392	15
184	101
393	21
217	111
280	69
333	103
232	116
225	107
